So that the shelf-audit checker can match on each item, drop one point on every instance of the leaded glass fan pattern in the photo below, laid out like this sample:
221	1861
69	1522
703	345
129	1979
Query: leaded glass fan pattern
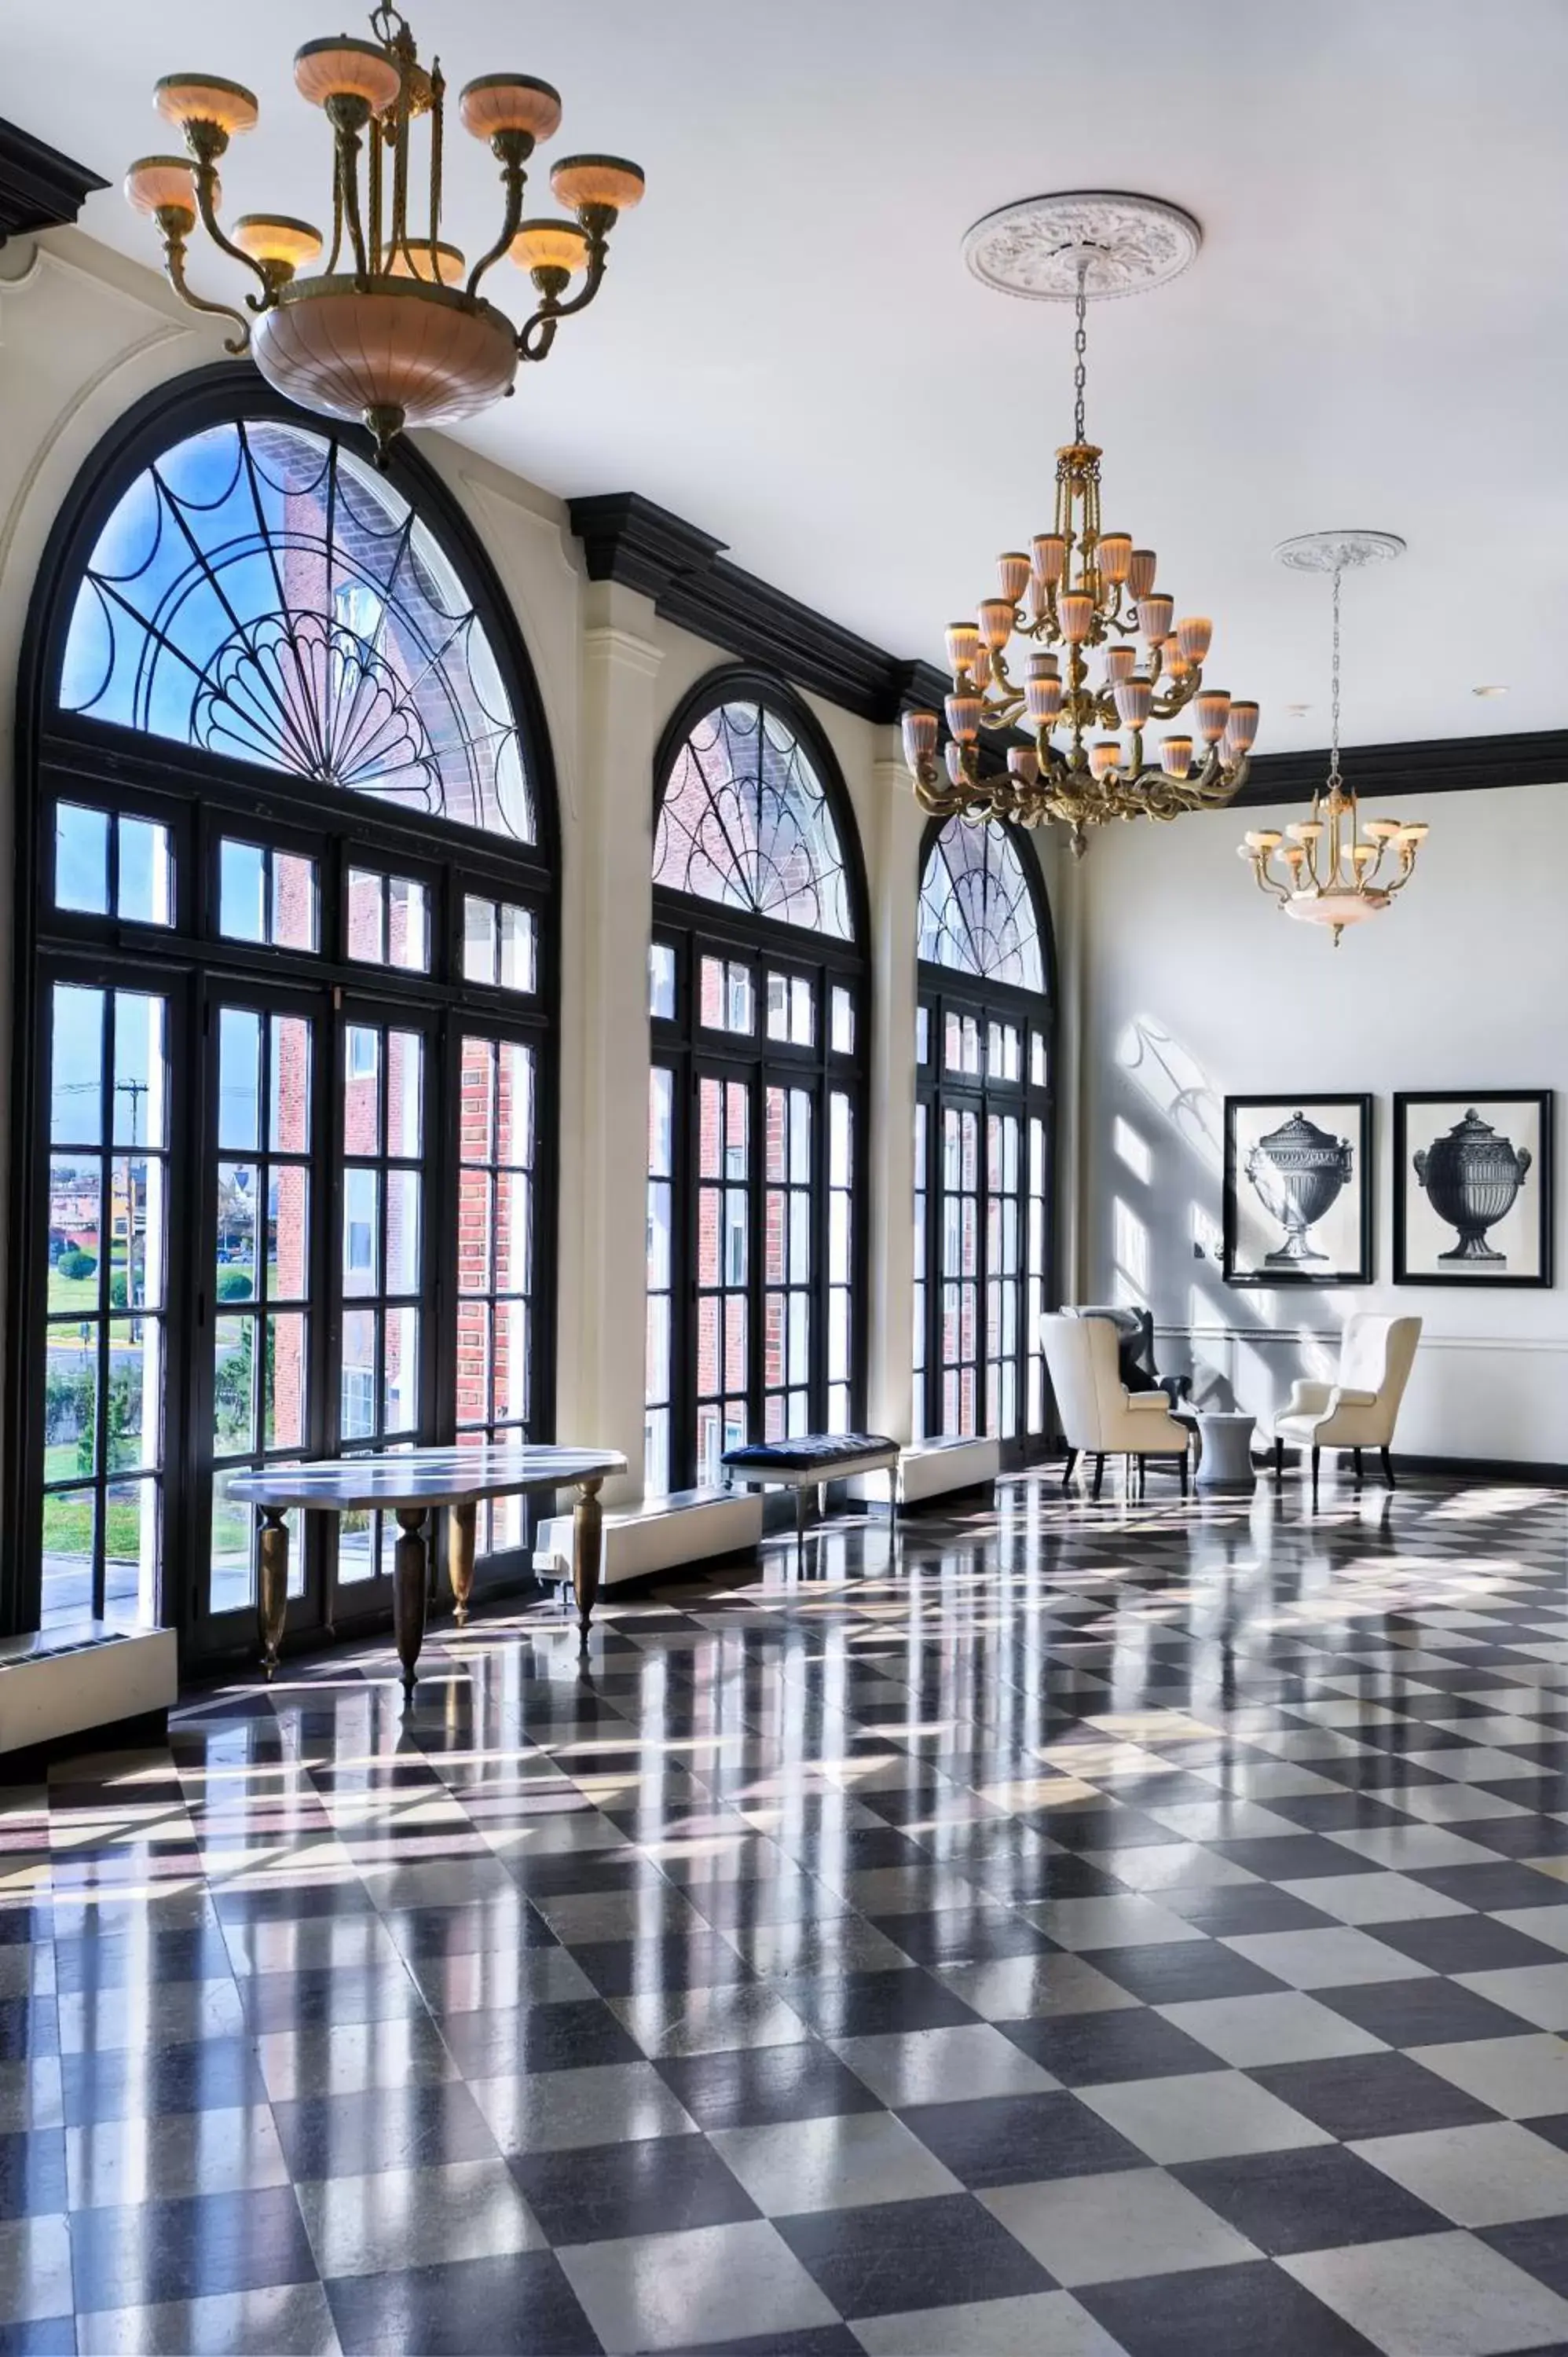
977	913
745	821
262	594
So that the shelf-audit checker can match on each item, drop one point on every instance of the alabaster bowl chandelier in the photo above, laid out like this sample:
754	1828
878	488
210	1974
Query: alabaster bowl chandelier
392	329
1335	868
1107	654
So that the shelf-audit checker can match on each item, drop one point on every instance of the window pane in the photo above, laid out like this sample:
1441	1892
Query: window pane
234	1387
140	1105
402	1231
844	1023
239	1078
81	859
358	1408
283	1382
294	917
362	1231
241	890
361	1095
400	1379
367	917
661	1122
662	981
235	1278
288	1085
76	1071
406	1084
408	925
516	948
478	939
147	872
777	1006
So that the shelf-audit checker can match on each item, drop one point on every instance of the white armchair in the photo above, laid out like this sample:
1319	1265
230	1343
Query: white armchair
1360	1409
1100	1416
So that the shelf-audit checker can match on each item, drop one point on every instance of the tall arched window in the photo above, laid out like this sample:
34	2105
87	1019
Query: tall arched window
983	1137
756	992
287	951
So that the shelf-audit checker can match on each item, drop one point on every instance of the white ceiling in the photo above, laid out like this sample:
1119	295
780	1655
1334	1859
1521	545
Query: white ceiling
789	354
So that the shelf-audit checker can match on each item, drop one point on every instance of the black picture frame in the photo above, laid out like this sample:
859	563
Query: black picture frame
1347	1117
1485	1267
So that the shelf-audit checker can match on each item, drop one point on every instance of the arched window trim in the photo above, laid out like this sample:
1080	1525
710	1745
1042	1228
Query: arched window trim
230	394
744	684
941	989
196	791
685	926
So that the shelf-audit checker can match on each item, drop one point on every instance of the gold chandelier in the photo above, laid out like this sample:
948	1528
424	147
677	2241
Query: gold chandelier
1329	869
1080	588
394	330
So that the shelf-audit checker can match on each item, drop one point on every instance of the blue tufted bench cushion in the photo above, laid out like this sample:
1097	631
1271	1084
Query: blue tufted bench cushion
809	1452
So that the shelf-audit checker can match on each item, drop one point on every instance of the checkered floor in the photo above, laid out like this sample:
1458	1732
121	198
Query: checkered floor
1122	1929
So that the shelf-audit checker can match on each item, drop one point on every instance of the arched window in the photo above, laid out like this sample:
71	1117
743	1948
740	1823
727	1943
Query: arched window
757	998
983	1137
287	921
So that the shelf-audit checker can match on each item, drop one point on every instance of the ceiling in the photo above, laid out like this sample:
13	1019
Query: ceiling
789	354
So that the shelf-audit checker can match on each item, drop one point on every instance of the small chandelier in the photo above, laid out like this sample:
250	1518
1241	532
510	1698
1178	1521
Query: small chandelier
1080	588
1325	870
394	330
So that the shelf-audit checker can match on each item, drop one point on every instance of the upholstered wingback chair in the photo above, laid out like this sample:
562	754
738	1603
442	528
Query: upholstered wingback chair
1100	1416
1359	1408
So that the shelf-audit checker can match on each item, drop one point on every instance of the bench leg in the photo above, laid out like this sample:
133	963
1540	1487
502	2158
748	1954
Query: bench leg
409	1576
587	1553
460	1524
272	1587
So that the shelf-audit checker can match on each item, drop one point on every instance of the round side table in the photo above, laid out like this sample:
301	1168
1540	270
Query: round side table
1225	1450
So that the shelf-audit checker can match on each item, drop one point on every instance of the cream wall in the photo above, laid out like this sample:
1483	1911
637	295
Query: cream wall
1195	987
83	336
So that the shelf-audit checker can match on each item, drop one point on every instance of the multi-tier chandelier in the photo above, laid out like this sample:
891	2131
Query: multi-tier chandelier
1080	588
394	329
1329	869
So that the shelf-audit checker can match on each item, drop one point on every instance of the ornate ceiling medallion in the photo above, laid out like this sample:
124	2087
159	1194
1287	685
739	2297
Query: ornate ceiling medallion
1080	588
393	329
1329	869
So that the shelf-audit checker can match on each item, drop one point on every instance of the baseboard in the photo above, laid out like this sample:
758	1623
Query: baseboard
1484	1468
147	1731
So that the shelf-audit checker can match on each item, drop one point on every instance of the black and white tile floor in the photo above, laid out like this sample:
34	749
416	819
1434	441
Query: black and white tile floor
1122	1929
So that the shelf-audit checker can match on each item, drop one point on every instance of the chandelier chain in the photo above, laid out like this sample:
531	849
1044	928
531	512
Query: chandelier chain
1080	346
1334	777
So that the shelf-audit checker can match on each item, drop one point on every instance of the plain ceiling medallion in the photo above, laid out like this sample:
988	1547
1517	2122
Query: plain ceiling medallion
1079	590
1329	869
1032	248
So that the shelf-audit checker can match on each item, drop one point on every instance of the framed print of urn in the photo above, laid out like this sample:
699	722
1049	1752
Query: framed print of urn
1472	1188
1298	1190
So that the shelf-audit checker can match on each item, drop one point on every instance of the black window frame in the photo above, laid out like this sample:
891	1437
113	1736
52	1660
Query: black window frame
200	796
942	990
692	927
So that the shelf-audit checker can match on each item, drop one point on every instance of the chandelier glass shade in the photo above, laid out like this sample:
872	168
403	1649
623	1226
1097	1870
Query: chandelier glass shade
392	329
1335	868
1104	652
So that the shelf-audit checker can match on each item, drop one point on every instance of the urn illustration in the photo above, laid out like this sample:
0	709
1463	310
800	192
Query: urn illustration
1298	1169
1471	1177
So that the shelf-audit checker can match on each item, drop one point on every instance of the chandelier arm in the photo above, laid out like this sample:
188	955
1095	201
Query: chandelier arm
176	224
512	148
207	141
599	262
536	335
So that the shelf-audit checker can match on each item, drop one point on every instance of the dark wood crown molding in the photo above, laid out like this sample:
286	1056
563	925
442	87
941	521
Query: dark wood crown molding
694	584
39	187
1433	765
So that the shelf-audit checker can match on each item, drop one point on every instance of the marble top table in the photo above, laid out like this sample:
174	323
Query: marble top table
410	1484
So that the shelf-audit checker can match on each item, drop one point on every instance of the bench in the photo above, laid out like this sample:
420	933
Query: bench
658	1534
809	1461
940	1468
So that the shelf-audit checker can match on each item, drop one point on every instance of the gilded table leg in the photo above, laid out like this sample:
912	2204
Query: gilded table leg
272	1587
408	1592
588	1551
460	1524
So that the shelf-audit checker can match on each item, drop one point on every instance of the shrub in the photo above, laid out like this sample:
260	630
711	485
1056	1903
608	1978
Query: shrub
234	1285
74	1262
